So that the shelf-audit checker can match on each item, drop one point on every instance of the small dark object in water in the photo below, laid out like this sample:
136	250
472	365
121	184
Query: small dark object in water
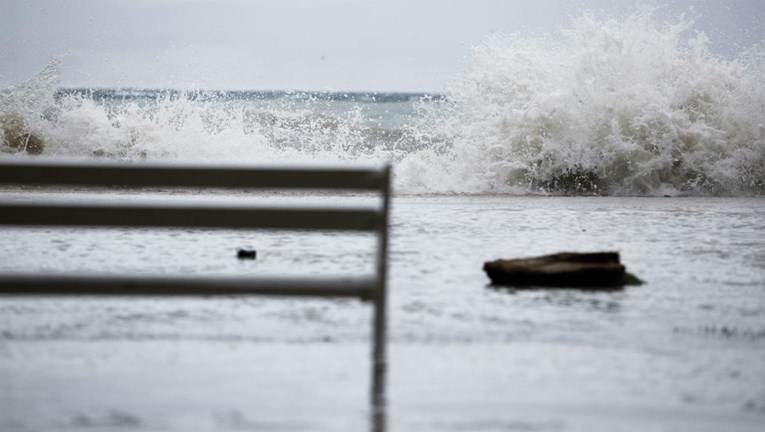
568	269
246	253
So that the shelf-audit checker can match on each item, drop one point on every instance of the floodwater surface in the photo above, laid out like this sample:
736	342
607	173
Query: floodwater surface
685	351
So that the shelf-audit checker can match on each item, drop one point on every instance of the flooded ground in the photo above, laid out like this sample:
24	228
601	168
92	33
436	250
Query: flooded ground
686	351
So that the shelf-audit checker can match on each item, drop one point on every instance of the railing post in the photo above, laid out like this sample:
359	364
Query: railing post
379	364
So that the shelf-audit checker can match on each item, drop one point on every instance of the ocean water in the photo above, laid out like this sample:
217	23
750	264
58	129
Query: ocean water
621	133
686	351
627	106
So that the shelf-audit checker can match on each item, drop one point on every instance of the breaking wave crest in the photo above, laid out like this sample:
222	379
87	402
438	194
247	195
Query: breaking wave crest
615	106
189	126
620	106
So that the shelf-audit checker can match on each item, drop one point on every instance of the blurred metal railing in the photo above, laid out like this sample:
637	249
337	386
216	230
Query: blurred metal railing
96	214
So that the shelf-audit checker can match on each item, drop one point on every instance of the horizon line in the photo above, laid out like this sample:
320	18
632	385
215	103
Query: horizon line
285	91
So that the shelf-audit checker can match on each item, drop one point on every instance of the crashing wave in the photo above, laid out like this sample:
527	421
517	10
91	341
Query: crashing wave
614	106
25	110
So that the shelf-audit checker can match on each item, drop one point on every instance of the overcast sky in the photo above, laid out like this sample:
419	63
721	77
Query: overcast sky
385	45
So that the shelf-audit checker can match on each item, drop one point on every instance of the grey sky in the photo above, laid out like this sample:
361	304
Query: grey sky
299	44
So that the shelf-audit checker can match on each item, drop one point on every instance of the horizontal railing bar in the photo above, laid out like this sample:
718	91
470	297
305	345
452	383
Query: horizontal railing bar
183	286
187	216
138	175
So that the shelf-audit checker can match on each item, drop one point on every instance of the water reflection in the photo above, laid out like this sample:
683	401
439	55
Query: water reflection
377	400
379	417
600	300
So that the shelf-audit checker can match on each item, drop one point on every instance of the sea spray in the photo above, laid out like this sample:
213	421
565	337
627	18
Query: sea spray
626	106
24	108
201	126
133	124
610	106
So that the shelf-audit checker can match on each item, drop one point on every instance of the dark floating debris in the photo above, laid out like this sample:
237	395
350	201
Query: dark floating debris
563	270
246	253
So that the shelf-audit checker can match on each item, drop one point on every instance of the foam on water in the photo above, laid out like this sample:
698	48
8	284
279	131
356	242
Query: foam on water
620	106
184	126
612	105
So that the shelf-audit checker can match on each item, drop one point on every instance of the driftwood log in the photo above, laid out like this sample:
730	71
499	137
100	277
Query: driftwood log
568	269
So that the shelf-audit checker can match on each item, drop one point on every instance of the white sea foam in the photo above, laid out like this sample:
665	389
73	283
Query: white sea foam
621	106
612	105
184	126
